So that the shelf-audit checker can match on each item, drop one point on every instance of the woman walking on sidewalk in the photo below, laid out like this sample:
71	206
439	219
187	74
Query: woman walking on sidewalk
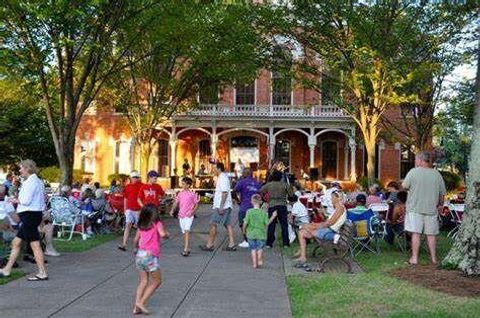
31	204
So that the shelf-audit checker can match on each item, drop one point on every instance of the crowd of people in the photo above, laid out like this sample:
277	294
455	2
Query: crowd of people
414	207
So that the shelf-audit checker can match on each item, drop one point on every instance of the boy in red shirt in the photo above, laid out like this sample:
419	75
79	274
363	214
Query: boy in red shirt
131	206
151	192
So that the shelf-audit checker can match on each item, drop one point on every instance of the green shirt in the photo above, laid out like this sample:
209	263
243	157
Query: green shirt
425	186
256	221
278	192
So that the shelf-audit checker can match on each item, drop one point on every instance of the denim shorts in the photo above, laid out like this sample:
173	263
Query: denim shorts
146	262
325	234
221	219
256	244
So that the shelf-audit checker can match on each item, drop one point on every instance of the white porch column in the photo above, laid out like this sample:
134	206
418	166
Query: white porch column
214	142
353	150
173	154
271	144
312	143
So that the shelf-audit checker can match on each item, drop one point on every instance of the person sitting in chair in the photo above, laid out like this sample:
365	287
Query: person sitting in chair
327	230
396	223
360	204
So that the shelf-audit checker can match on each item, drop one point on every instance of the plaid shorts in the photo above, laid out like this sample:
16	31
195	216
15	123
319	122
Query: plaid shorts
146	262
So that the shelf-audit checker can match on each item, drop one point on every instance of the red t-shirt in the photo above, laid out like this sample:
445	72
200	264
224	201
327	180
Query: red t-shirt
130	193
151	194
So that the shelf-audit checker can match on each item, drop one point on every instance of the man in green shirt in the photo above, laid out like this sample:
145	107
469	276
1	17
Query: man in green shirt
255	228
426	191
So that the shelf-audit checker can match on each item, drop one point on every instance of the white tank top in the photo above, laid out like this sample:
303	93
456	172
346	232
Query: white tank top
337	225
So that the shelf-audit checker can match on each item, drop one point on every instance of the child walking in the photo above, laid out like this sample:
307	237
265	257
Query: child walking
255	228
187	203
147	240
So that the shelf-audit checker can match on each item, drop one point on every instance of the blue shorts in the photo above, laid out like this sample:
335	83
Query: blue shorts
256	244
325	234
221	219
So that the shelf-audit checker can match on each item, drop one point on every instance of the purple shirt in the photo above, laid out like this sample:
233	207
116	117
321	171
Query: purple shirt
247	187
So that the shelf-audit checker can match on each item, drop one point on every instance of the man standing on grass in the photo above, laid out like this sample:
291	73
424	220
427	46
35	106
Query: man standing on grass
222	206
426	191
130	206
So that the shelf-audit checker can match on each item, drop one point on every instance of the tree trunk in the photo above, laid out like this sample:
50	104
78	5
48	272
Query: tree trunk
145	152
65	153
465	252
370	148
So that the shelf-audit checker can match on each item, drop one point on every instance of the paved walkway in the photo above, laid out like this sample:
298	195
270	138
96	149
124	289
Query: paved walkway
102	282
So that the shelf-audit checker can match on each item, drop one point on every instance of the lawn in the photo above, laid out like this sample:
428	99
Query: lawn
375	293
15	274
79	245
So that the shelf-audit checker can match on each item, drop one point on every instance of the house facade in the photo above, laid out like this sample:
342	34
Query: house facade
270	118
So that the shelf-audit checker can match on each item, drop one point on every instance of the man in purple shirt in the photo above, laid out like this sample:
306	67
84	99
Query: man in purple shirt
246	188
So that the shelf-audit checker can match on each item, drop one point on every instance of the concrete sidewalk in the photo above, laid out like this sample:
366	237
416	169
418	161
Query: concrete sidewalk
102	282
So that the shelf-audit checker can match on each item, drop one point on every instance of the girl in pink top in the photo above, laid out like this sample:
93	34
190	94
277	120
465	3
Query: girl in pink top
187	203
147	240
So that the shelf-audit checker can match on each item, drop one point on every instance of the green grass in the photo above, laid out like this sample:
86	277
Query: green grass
79	245
375	293
15	274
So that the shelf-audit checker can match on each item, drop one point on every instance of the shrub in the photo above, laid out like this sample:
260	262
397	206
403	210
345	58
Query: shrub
452	180
120	177
54	174
363	181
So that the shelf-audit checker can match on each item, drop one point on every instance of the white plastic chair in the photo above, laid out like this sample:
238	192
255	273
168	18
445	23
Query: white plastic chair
456	212
66	216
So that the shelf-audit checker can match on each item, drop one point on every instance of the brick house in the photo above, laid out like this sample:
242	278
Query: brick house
270	118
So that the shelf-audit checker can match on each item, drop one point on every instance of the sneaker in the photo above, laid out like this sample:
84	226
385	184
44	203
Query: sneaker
52	253
244	244
268	246
336	238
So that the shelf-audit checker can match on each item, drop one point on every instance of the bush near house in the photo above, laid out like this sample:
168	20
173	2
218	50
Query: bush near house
53	174
452	180
120	177
363	181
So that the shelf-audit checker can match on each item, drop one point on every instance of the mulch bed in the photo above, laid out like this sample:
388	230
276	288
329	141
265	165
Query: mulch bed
447	281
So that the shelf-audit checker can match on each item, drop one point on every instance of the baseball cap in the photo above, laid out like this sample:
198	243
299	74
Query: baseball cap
362	198
336	184
134	174
152	173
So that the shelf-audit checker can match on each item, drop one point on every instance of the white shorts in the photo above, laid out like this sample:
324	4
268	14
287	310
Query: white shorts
185	224
422	223
131	216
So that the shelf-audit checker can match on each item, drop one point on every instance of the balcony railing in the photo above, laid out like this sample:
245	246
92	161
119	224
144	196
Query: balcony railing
269	111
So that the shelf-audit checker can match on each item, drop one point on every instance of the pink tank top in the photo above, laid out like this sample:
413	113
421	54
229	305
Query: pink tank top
150	239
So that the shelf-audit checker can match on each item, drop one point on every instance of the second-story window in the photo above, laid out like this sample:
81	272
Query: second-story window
245	94
208	94
281	89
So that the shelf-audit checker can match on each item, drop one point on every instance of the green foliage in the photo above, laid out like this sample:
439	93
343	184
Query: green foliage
363	181
54	174
120	177
452	180
77	245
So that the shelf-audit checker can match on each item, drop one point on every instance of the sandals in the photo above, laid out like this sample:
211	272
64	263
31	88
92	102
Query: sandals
206	248
122	248
301	265
231	248
37	278
185	253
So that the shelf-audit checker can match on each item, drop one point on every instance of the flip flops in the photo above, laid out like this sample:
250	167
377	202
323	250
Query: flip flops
37	278
231	248
206	248
301	265
185	253
122	248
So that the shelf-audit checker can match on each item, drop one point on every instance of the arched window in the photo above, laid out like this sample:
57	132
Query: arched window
407	160
123	158
282	152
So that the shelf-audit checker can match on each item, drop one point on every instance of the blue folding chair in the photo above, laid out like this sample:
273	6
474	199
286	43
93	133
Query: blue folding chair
365	231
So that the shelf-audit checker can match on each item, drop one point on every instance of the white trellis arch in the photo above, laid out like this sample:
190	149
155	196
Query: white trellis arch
332	130
245	129
291	129
192	128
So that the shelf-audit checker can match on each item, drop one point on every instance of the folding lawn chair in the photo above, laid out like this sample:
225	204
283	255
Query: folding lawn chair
66	216
364	233
456	212
399	236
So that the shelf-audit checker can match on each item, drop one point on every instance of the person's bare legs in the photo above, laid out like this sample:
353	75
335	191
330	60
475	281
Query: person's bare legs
260	257
126	234
155	281
39	258
432	247
231	241
302	239
48	230
186	241
142	285
16	247
415	248
254	258
212	234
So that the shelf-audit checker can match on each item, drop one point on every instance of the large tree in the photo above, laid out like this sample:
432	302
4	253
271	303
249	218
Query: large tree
190	45
369	51
465	253
69	48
